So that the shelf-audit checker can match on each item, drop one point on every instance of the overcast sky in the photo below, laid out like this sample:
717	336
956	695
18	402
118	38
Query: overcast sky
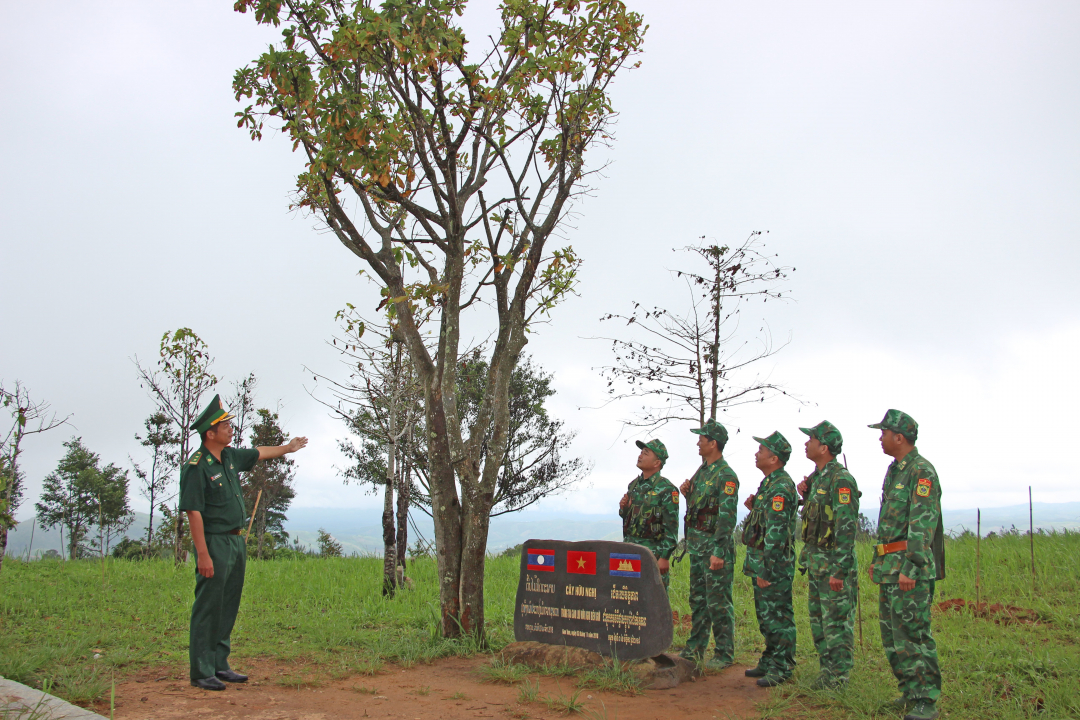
918	163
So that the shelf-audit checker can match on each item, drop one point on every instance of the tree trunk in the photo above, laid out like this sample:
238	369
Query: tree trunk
3	544
404	490
179	555
446	512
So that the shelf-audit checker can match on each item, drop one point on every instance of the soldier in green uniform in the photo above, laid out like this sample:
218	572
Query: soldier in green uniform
830	520
909	558
650	507
210	494
769	536
712	498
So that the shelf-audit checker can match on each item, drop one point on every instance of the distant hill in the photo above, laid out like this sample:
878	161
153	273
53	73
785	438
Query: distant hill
360	531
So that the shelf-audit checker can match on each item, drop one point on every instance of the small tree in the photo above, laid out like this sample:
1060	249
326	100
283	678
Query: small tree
161	440
273	477
241	403
177	386
328	546
690	365
28	417
79	496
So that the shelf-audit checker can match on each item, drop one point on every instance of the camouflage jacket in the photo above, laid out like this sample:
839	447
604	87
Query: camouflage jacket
652	516
830	518
770	530
910	511
712	510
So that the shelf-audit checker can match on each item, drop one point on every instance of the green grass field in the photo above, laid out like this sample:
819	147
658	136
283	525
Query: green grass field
329	614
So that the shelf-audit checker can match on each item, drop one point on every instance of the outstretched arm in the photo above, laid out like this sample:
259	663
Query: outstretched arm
269	453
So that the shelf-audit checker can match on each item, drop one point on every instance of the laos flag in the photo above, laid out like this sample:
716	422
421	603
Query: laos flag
624	565
541	560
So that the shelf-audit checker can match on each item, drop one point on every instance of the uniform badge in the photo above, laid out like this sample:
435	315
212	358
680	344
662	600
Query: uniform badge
821	492
899	486
675	496
845	496
923	489
729	488
195	459
778	503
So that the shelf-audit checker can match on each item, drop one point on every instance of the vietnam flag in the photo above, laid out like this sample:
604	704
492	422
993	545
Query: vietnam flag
580	563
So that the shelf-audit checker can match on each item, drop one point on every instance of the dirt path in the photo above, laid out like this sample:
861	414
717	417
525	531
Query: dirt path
448	688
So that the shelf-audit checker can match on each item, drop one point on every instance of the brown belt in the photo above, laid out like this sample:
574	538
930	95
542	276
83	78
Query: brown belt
891	547
237	532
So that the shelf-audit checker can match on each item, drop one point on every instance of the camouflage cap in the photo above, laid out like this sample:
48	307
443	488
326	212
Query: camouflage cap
777	444
212	415
656	446
827	434
714	431
900	422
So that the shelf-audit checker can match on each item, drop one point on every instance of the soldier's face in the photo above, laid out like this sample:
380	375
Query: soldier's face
704	445
222	432
764	458
647	460
890	441
813	449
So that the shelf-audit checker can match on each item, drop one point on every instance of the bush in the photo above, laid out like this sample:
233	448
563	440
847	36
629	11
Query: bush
129	549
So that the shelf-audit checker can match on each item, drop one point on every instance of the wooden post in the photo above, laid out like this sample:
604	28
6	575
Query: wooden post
31	546
253	511
978	556
1031	536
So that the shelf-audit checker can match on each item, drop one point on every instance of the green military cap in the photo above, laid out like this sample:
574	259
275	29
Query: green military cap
211	416
656	446
900	422
827	434
714	431
778	445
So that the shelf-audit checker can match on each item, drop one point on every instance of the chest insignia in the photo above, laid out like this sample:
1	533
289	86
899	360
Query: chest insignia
778	503
216	476
923	489
845	496
729	488
899	486
821	492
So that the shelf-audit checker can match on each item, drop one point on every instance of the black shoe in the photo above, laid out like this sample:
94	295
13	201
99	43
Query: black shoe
210	683
231	676
755	672
771	681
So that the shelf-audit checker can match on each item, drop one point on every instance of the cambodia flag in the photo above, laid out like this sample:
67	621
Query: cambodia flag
541	560
624	565
580	563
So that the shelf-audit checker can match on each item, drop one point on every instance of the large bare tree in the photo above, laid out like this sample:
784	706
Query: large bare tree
447	169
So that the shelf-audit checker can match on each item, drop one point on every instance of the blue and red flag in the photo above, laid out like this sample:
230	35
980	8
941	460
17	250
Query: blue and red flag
543	560
580	562
624	565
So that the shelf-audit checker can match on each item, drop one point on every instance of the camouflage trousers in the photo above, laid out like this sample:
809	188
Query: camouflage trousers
711	607
832	624
776	621
664	576
905	634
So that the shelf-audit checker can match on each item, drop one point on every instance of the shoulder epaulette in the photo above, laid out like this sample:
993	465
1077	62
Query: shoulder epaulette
195	458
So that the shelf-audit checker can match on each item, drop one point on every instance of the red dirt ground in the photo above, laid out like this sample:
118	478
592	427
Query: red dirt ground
1001	614
423	692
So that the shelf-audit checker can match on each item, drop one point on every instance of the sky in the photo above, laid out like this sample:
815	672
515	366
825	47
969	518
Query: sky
917	163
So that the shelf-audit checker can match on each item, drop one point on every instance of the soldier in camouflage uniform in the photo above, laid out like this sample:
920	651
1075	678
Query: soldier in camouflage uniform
650	507
712	497
910	557
769	536
830	520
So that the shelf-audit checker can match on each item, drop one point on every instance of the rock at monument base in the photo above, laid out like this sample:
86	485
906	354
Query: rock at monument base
662	672
665	671
538	654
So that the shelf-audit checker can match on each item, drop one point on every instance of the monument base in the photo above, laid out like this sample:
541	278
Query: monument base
662	672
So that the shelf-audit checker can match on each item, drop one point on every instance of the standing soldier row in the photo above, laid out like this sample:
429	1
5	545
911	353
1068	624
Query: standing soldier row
907	561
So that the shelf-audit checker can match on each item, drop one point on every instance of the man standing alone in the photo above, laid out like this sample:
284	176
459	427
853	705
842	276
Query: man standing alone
770	560
650	507
210	494
907	562
712	498
830	520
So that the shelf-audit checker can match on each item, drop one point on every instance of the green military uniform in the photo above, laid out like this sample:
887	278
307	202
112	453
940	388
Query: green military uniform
769	536
711	512
911	542
651	518
212	488
830	521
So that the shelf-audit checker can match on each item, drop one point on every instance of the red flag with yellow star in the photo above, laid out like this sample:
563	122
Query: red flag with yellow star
580	563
